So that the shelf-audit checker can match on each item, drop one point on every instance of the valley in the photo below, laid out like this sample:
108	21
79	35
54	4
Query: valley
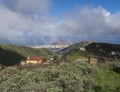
80	67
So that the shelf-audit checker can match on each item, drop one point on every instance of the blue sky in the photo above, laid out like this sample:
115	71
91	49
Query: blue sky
59	6
37	22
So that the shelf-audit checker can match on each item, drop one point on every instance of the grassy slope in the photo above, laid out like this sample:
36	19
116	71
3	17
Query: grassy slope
25	51
74	55
108	80
11	54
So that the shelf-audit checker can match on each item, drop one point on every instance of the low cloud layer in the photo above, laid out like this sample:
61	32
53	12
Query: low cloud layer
27	24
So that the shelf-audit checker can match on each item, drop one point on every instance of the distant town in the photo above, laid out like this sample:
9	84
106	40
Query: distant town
51	46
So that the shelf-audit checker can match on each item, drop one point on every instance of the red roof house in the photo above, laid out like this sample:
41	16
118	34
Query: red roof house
34	60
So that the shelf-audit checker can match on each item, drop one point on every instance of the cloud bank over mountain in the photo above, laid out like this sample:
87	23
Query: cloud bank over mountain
29	22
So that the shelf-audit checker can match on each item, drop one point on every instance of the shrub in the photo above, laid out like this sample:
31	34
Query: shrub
67	77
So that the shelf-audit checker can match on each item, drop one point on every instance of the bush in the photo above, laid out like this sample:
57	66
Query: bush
67	77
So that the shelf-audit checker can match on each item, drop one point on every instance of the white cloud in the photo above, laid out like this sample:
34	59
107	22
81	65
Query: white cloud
91	22
86	20
18	26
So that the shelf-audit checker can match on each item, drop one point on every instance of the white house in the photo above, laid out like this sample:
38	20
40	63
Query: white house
113	53
82	49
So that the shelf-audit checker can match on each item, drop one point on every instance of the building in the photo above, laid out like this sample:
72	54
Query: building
82	49
34	60
93	61
113	53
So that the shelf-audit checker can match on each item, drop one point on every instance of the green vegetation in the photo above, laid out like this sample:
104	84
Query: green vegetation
92	49
74	76
13	54
74	55
67	77
108	81
25	51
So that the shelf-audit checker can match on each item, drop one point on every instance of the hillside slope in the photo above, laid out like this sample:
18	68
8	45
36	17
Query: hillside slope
76	46
12	54
93	48
104	49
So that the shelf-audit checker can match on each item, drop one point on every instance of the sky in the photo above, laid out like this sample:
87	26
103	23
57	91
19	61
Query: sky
36	22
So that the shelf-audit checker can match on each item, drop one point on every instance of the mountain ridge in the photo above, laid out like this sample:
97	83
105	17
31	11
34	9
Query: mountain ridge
94	49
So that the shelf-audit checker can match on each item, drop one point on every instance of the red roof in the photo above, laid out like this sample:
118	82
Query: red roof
35	58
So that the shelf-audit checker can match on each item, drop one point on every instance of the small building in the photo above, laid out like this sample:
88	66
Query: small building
23	63
93	61
82	49
34	60
113	53
51	59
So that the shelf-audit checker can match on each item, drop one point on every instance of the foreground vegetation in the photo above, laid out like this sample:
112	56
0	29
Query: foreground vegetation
108	81
75	76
